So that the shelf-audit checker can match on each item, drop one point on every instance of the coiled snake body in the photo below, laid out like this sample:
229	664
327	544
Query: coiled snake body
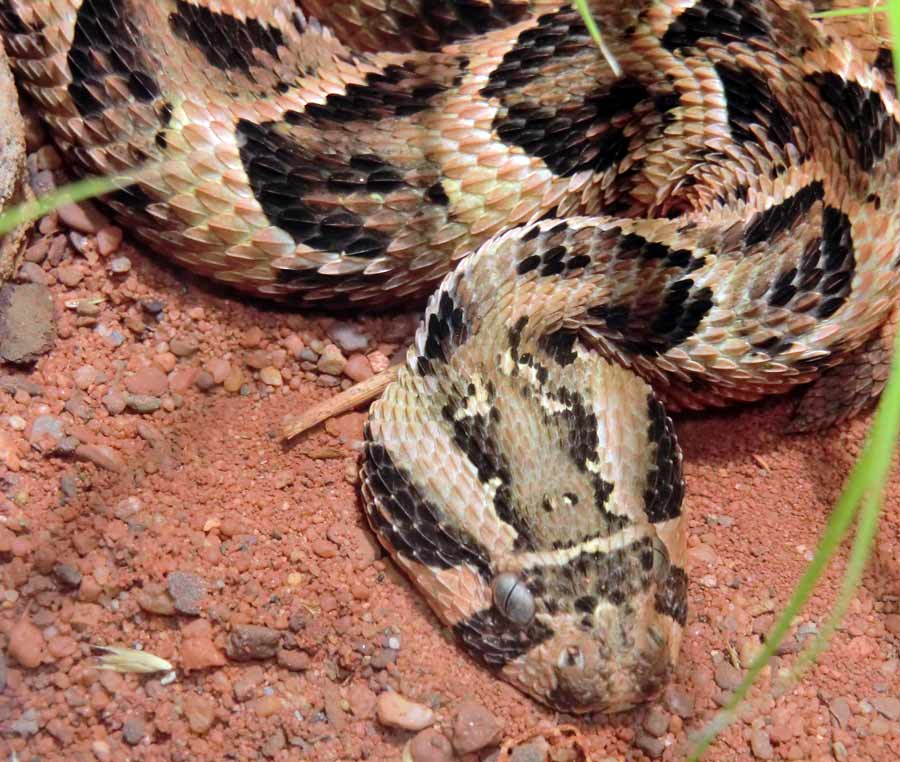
719	220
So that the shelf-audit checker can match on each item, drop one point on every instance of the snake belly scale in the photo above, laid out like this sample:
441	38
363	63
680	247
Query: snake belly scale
714	224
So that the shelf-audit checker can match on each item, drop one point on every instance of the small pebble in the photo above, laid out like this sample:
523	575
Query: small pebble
70	275
83	217
348	337
889	706
26	644
251	338
109	239
143	403
187	590
654	747
184	346
271	376
156	600
120	265
133	730
85	376
431	745
67	575
537	750
474	727
27	322
727	677
656	721
332	362
114	401
761	744
46	433
100	455
219	369
200	712
295	661
357	368
250	641
149	380
111	337
395	711
200	653
679	701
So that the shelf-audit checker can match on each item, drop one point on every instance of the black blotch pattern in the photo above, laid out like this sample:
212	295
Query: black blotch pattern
446	329
437	195
671	597
412	525
132	197
559	346
476	436
884	62
617	575
751	101
634	246
103	32
827	267
723	20
680	311
494	641
870	130
585	604
394	92
225	41
665	488
10	21
282	174
557	34
575	136
782	217
458	19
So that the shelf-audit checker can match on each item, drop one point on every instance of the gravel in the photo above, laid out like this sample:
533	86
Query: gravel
249	641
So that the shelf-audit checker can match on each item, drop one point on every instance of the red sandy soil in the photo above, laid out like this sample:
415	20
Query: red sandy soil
275	536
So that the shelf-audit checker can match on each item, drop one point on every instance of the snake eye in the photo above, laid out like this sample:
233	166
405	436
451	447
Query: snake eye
513	599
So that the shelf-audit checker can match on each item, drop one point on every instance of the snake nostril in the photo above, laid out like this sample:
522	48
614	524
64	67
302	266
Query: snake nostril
513	599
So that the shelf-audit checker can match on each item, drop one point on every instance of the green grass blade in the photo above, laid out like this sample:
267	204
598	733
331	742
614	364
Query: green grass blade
89	187
837	13
594	31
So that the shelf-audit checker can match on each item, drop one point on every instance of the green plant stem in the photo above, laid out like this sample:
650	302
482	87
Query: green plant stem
842	12
71	193
591	24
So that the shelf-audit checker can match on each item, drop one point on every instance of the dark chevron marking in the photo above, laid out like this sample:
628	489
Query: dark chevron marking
395	92
412	525
102	29
561	33
861	113
570	137
282	173
665	488
446	329
225	41
723	20
751	101
826	267
681	310
765	226
476	436
458	19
